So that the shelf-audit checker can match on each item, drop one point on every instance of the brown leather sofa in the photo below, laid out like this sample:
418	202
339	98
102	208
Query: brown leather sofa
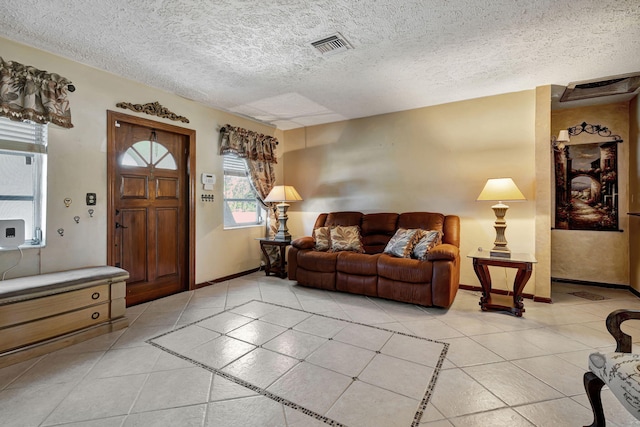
433	282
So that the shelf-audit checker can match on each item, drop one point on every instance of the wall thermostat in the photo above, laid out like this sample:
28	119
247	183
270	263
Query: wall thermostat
208	180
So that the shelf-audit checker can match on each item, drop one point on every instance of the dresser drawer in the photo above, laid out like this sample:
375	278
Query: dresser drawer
38	308
38	330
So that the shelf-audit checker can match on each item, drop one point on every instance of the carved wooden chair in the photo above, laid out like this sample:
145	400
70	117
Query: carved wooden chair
619	370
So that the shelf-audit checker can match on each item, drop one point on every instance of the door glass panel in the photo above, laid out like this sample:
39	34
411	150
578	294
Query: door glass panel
146	153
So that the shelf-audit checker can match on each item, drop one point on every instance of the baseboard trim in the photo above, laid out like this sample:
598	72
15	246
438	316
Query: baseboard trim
225	278
598	284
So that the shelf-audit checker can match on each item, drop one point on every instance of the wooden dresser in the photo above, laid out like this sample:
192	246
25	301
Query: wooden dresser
39	314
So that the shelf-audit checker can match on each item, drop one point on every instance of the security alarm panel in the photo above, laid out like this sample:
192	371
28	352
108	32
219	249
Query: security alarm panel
11	233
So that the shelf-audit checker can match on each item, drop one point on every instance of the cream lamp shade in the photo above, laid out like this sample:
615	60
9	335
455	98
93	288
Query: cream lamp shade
563	136
282	194
500	189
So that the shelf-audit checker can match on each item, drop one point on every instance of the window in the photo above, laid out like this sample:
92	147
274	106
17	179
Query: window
23	176
241	206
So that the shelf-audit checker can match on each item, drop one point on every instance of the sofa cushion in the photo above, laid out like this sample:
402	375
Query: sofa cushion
346	238
402	242
343	218
322	236
377	229
423	220
317	261
355	263
404	269
428	240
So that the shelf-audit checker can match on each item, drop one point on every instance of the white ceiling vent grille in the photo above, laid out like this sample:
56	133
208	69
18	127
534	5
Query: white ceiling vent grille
331	45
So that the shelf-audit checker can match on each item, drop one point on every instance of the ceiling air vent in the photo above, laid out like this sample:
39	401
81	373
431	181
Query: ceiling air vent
332	44
615	85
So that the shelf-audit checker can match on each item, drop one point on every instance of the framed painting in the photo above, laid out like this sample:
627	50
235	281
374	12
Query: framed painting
586	183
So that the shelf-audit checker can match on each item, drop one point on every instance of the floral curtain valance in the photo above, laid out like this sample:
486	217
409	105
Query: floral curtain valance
27	93
248	144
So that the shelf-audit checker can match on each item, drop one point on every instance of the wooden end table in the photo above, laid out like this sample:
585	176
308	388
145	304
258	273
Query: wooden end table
278	269
523	262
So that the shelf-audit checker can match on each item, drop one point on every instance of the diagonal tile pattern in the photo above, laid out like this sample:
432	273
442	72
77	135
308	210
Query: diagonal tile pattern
330	372
499	369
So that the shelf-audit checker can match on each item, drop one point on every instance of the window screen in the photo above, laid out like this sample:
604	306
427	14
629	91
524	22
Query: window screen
241	206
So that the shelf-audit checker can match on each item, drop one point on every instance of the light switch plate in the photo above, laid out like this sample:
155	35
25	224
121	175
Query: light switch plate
91	199
11	233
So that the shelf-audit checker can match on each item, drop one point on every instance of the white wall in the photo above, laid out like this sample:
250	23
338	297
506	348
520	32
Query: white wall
77	165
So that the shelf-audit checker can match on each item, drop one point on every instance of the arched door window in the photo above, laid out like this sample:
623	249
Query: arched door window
149	153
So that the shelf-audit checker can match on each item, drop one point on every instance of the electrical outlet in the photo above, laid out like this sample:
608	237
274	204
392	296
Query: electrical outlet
11	233
91	199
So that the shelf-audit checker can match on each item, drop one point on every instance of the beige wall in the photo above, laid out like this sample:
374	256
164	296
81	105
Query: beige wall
430	159
596	256
634	192
77	165
434	159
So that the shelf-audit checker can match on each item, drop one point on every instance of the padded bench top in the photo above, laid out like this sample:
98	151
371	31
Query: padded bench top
22	288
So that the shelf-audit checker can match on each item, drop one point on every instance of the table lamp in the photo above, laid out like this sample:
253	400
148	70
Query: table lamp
500	189
282	194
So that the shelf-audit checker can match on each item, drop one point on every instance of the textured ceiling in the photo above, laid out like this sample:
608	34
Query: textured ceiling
254	57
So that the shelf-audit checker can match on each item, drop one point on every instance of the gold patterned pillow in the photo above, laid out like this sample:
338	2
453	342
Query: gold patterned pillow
402	242
322	235
428	240
346	238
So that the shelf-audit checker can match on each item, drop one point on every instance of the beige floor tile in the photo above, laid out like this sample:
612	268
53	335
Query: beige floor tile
256	411
417	350
295	344
98	398
499	418
466	352
10	373
311	386
56	368
102	422
614	412
432	328
225	322
219	352
510	345
285	317
261	367
297	418
188	416
456	394
512	384
126	361
255	309
257	332
186	338
167	389
223	389
398	375
30	406
554	413
321	326
364	405
556	372
363	336
342	358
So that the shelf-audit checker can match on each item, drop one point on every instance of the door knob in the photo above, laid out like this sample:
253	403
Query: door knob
118	225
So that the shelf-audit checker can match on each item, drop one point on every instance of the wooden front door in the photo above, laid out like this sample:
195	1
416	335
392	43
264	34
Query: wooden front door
149	212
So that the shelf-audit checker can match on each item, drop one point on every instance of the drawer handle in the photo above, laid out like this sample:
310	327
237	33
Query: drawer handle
95	315
95	295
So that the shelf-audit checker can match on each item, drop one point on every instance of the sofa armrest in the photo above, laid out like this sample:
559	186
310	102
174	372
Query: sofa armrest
444	251
306	242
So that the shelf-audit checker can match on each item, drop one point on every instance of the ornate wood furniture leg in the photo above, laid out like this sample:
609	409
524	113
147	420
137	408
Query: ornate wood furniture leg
593	385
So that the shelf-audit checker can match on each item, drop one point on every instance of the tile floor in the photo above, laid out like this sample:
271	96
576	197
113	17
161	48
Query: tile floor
499	370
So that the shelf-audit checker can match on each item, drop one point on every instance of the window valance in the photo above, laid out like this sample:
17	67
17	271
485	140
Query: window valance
248	144
27	93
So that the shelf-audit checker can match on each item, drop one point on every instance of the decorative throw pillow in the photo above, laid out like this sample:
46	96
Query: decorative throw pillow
402	242
428	240
322	235
346	238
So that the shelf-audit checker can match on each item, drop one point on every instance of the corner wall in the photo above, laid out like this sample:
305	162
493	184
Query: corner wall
429	159
634	193
596	256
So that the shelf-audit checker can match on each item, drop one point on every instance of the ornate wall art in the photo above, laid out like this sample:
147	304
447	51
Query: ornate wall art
154	109
587	182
